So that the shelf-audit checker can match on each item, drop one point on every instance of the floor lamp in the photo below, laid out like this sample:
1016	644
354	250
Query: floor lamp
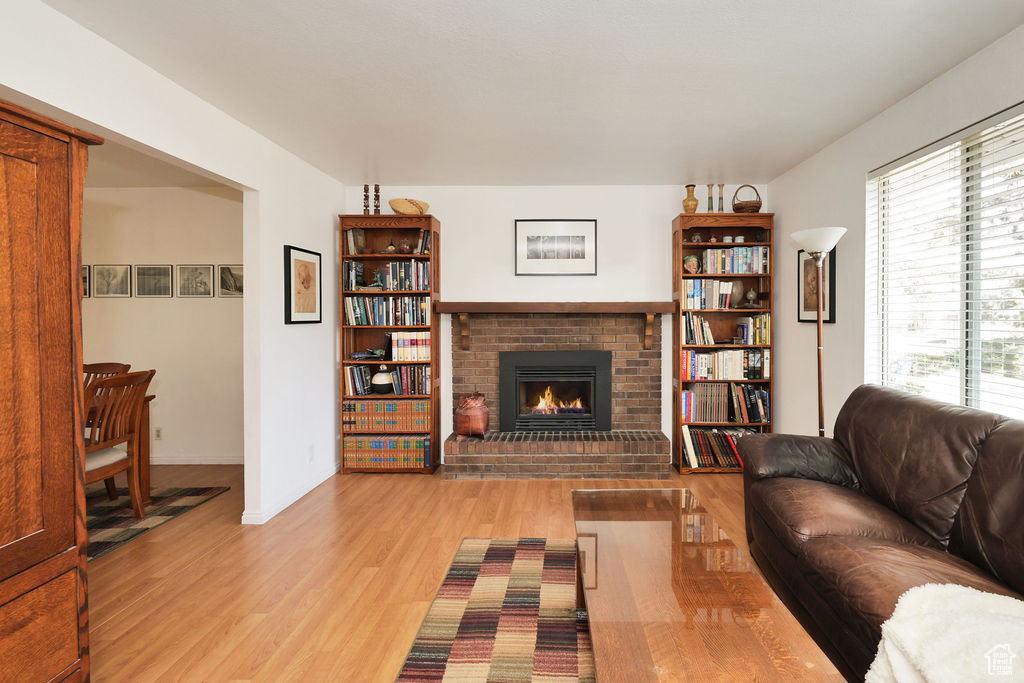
818	242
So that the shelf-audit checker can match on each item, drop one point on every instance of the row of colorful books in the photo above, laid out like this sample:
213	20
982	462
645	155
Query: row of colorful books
736	364
755	329
725	402
387	310
386	452
702	293
407	346
712	447
385	416
406	380
394	275
741	260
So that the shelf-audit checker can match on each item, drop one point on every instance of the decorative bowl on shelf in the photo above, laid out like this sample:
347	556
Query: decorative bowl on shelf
409	207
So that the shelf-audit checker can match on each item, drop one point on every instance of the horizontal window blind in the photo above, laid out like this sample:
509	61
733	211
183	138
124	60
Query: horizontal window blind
945	272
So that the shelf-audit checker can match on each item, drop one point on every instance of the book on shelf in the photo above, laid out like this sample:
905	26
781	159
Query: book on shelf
727	364
407	346
384	415
387	451
737	260
706	293
406	380
712	447
387	310
725	402
355	240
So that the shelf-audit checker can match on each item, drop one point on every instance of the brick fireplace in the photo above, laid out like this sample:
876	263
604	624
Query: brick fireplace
635	447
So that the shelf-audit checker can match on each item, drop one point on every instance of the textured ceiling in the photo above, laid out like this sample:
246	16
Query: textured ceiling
536	92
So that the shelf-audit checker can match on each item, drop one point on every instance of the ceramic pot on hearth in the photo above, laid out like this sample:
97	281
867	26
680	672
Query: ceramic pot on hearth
471	417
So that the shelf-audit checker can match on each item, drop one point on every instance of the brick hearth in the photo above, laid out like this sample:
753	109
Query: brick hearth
636	448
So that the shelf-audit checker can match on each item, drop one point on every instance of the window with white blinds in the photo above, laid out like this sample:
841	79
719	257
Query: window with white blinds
945	272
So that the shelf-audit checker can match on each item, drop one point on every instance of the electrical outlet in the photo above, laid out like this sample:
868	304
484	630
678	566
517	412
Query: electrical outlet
158	433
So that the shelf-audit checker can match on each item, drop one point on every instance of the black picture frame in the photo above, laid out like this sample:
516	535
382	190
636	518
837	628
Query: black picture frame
555	246
153	281
806	273
301	305
111	281
194	280
86	282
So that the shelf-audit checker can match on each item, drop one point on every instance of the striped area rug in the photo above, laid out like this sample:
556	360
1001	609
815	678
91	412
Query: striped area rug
111	523
506	611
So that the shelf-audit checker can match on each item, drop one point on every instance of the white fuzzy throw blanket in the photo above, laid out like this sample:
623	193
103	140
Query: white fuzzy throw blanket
940	633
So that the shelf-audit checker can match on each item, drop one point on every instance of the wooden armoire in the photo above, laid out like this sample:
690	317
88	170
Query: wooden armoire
44	624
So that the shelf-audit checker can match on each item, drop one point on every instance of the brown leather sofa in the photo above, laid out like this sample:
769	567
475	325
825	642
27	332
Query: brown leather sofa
910	491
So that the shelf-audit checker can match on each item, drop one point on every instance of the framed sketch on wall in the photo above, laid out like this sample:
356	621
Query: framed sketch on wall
153	281
556	247
229	281
195	281
112	281
85	282
302	286
807	288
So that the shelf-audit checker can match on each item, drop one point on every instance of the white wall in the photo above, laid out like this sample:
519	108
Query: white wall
828	189
55	66
634	250
195	345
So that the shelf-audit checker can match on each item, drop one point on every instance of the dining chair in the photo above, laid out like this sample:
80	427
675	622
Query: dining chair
95	371
112	436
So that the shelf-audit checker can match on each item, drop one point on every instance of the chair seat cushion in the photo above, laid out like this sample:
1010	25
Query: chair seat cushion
107	456
797	510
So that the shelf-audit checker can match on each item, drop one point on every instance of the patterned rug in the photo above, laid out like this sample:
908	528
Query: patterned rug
506	611
111	523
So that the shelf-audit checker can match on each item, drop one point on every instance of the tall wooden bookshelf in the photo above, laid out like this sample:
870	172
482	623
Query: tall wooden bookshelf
726	360
390	432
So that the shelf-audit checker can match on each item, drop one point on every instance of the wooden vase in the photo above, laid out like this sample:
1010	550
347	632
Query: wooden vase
690	201
471	417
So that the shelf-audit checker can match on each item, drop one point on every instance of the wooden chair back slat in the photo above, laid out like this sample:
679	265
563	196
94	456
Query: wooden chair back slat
116	408
94	371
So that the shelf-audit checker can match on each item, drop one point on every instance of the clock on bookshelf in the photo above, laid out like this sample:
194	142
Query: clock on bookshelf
388	285
722	285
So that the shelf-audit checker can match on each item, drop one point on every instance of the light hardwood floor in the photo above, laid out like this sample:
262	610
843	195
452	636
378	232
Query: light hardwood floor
332	589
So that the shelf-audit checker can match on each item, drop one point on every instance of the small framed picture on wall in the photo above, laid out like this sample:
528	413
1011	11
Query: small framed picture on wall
112	281
153	282
807	288
195	281
302	286
86	293
229	281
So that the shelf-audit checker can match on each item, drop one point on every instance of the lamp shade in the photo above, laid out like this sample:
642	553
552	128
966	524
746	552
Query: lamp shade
818	240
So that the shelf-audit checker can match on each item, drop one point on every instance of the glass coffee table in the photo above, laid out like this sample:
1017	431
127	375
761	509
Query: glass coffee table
671	598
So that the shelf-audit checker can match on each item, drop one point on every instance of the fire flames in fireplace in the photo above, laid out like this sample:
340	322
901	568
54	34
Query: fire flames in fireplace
547	404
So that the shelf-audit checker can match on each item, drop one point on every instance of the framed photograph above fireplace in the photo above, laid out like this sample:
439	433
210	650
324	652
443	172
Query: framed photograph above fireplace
556	247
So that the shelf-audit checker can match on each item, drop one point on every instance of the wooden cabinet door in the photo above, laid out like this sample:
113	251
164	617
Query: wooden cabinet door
42	601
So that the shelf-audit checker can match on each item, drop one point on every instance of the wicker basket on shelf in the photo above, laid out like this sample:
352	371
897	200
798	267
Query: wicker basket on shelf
747	205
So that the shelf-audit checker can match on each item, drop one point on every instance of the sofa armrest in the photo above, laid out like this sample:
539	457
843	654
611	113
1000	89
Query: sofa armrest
788	455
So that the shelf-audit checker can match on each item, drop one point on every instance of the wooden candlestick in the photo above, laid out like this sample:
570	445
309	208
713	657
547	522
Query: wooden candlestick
721	201
376	199
366	200
711	199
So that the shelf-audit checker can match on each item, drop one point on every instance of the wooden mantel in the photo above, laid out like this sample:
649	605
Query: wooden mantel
463	308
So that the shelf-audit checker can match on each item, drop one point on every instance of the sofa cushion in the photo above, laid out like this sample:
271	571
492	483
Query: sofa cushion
989	531
797	510
913	454
864	577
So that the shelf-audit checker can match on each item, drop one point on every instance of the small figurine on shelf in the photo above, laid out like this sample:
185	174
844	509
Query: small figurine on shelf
691	264
711	199
713	239
376	199
404	246
696	237
752	299
368	354
391	248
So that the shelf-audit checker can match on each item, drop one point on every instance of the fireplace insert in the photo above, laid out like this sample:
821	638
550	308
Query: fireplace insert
554	390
